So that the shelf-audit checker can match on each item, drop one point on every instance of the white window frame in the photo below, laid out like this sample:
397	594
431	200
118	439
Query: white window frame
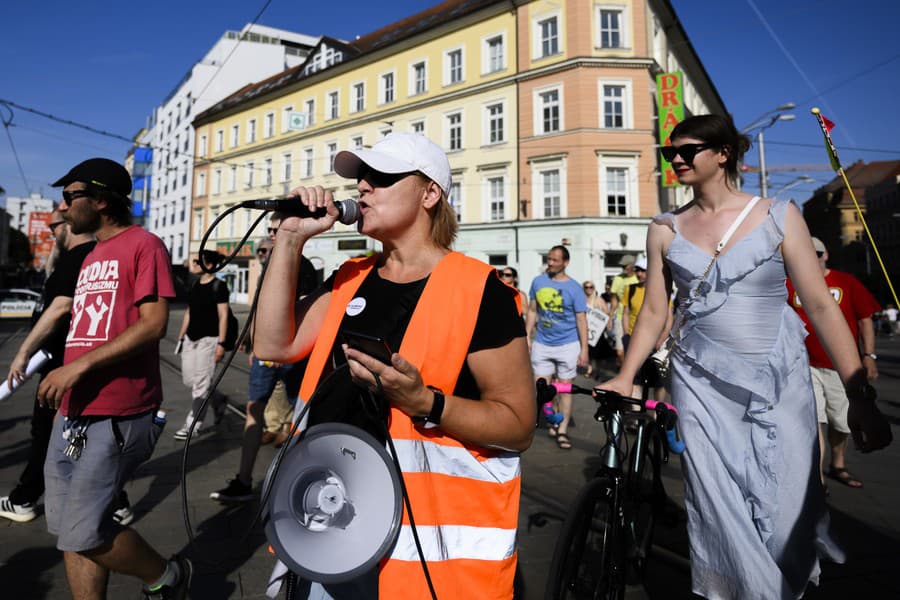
627	103
629	162
330	154
249	169
383	89
538	104
356	142
333	100
203	145
355	98
269	124
448	66
538	169
220	140
198	223
537	45
448	130
287	167
486	52
235	139
286	118
217	182
384	132
309	107
414	126
486	122
267	171
486	208
309	157
624	38
251	130
232	178
455	197
201	183
412	77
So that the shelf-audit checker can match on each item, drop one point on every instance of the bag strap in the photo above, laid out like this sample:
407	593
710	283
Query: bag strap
719	247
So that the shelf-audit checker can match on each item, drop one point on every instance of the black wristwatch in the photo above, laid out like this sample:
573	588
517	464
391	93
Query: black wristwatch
433	419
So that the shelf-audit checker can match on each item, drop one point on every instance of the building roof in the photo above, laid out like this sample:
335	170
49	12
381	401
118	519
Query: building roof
376	40
862	175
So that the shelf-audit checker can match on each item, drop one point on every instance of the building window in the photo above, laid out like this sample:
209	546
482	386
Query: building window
286	118
453	66
286	160
548	115
417	127
358	104
201	184
615	105
454	131
617	191
198	224
269	125
307	162
310	112
248	174
220	141
610	27
333	105
455	199
496	198
550	193
331	153
232	178
251	131
383	133
495	134
356	142
202	147
548	37
493	54
187	139
235	135
217	181
267	170
418	79
387	88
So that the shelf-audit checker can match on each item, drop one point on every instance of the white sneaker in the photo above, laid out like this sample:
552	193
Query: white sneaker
21	513
182	434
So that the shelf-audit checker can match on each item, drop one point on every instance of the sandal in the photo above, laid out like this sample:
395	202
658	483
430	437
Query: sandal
562	441
844	476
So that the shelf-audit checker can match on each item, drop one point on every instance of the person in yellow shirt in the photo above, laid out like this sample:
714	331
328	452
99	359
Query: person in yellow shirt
619	284
631	303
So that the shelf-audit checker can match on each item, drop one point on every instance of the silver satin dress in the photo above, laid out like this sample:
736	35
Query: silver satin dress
757	519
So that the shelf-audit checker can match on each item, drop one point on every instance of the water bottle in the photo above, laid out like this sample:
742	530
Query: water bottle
160	418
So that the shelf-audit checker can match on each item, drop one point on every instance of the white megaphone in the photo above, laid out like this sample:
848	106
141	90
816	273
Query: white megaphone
334	507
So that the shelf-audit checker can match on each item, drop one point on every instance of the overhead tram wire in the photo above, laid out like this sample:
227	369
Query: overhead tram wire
6	124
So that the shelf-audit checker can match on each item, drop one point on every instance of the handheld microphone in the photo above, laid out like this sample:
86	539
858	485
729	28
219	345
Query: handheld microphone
348	209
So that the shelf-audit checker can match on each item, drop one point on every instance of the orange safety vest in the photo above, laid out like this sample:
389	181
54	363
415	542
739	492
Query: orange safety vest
465	499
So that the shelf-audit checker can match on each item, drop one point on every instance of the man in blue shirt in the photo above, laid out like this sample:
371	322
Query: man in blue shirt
557	332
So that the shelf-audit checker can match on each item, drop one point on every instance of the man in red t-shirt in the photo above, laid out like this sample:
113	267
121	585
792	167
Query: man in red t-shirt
108	389
857	306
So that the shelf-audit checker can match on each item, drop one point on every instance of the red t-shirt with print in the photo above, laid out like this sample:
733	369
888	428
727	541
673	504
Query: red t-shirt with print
115	277
855	303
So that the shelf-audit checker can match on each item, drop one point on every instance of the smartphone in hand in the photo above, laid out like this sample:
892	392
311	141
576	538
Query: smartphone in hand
177	348
374	346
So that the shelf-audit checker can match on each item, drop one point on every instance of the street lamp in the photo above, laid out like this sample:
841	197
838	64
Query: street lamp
763	122
795	182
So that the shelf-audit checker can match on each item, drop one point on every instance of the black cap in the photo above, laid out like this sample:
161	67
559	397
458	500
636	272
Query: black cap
101	172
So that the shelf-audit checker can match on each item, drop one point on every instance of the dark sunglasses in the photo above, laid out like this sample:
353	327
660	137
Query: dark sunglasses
588	287
687	151
505	274
273	230
262	251
55	224
820	254
378	179
70	197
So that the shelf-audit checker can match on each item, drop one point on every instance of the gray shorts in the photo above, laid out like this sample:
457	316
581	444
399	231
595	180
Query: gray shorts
81	495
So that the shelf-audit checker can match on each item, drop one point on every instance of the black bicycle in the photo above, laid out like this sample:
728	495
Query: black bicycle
606	536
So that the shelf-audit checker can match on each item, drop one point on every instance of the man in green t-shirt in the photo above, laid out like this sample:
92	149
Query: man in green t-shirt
619	284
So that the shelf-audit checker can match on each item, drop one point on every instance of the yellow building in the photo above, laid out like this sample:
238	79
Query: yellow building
545	109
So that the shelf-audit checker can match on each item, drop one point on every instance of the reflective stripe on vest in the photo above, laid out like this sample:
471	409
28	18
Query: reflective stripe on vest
471	494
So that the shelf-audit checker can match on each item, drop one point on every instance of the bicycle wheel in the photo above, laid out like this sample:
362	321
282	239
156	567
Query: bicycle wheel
641	509
583	567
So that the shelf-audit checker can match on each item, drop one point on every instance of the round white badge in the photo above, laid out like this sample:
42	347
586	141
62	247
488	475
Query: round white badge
356	306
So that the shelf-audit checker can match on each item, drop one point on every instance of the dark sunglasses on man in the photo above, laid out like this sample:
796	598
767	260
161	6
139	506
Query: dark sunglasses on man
687	151
52	226
71	196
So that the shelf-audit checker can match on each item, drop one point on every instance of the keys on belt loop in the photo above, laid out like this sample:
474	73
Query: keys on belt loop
75	432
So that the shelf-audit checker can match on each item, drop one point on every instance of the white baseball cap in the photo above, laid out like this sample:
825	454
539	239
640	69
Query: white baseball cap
818	245
398	152
641	264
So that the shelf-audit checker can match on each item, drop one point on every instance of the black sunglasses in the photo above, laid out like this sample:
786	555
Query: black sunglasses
55	224
378	179
820	254
687	151
273	230
72	196
505	274
588	287
262	251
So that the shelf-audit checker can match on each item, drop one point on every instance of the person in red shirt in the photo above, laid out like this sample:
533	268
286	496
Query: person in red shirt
857	306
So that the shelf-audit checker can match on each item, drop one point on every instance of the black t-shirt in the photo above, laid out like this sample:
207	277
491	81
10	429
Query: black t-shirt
61	282
203	301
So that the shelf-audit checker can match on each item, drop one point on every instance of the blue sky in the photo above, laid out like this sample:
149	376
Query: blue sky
107	64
